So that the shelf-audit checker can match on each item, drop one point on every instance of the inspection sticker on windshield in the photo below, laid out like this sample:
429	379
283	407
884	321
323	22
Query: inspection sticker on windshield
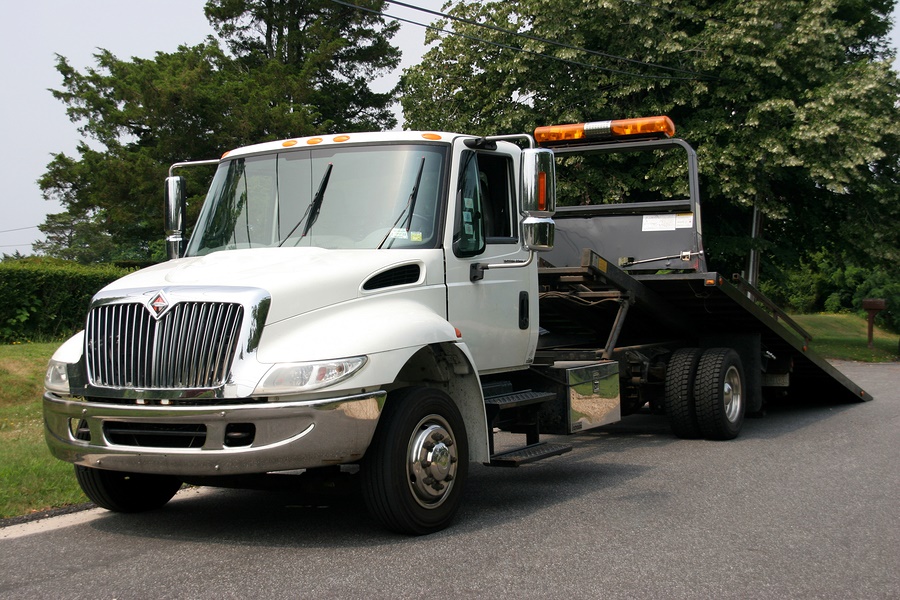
399	233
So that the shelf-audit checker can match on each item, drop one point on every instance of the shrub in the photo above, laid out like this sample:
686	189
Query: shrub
47	299
825	282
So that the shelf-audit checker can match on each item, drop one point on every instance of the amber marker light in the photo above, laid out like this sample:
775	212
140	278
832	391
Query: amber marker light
289	143
431	136
227	152
542	190
315	140
643	126
660	126
342	138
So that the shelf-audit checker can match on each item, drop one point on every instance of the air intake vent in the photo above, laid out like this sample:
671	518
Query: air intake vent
191	346
155	435
397	276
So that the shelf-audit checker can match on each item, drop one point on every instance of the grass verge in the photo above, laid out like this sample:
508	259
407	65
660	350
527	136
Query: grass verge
845	337
30	478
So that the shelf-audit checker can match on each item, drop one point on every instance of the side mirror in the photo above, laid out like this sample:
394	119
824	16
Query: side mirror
538	193
538	182
539	233
175	216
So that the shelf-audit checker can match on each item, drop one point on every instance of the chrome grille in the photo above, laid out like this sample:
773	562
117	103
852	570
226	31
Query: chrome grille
190	346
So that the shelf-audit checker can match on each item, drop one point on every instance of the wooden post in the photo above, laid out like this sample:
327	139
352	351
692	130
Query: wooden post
873	306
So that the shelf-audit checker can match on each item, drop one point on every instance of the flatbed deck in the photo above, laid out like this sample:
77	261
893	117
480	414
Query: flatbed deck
597	305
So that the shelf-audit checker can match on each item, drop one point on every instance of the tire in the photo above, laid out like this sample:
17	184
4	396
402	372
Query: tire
719	393
415	469
126	492
679	399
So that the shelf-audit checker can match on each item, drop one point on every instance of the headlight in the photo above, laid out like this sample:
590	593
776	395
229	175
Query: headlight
57	378
291	378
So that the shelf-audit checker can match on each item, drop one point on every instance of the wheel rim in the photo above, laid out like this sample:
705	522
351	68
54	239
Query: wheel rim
732	394
432	461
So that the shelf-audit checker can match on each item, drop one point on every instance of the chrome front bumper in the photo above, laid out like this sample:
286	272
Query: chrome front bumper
286	435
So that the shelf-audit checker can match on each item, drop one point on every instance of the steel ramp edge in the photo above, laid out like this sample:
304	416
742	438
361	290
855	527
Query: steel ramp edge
712	302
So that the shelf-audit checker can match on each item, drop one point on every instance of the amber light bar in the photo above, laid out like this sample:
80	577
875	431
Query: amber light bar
643	127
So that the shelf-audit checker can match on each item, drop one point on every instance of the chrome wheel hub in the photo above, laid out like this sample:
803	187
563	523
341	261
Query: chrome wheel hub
732	394
432	461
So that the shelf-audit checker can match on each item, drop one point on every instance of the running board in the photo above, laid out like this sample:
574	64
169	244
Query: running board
517	399
528	454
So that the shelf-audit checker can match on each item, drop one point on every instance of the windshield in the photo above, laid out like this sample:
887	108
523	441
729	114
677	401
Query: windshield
349	197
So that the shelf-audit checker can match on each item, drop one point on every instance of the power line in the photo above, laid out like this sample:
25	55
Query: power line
514	48
542	40
18	229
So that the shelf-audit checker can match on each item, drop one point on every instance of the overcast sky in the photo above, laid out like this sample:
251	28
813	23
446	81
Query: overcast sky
33	124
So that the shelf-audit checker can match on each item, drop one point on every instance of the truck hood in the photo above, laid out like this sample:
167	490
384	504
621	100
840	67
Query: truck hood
299	280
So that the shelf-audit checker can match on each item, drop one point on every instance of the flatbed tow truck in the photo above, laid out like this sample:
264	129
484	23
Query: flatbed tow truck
386	302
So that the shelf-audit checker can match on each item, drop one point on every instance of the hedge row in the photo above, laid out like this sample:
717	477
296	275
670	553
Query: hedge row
46	299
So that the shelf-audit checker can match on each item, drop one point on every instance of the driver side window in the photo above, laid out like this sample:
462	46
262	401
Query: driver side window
468	237
484	206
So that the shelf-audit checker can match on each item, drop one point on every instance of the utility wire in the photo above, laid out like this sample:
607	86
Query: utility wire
542	40
514	48
18	229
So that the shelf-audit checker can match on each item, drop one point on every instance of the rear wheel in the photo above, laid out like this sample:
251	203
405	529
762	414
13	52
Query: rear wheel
719	394
126	492
679	398
416	466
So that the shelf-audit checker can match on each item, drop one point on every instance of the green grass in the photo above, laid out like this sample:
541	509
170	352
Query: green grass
30	478
845	337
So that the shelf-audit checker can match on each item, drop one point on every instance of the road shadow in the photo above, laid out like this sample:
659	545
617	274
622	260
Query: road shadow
334	514
337	516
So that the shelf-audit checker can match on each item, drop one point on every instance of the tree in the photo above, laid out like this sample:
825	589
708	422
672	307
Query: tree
142	115
790	103
334	49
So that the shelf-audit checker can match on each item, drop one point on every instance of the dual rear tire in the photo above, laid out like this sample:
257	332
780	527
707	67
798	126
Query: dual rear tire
705	395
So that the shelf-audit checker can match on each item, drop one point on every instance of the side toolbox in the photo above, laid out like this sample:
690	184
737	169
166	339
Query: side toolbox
587	395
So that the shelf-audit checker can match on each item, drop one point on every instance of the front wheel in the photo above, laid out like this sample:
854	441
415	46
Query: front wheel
416	466
719	394
126	492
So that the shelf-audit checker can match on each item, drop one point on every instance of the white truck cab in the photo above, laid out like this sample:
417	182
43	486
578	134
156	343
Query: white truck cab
337	302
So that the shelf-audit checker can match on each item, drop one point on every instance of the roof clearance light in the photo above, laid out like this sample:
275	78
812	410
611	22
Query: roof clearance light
643	127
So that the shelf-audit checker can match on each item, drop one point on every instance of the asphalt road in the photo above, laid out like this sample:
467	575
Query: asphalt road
805	504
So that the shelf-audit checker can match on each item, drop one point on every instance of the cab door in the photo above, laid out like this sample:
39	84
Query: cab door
496	314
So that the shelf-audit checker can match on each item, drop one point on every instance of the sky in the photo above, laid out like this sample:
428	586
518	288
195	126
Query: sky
33	124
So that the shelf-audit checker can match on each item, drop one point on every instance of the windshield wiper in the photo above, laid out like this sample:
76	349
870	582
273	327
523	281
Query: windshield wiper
313	209
410	207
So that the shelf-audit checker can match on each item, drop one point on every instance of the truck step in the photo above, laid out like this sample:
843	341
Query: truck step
528	454
517	399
